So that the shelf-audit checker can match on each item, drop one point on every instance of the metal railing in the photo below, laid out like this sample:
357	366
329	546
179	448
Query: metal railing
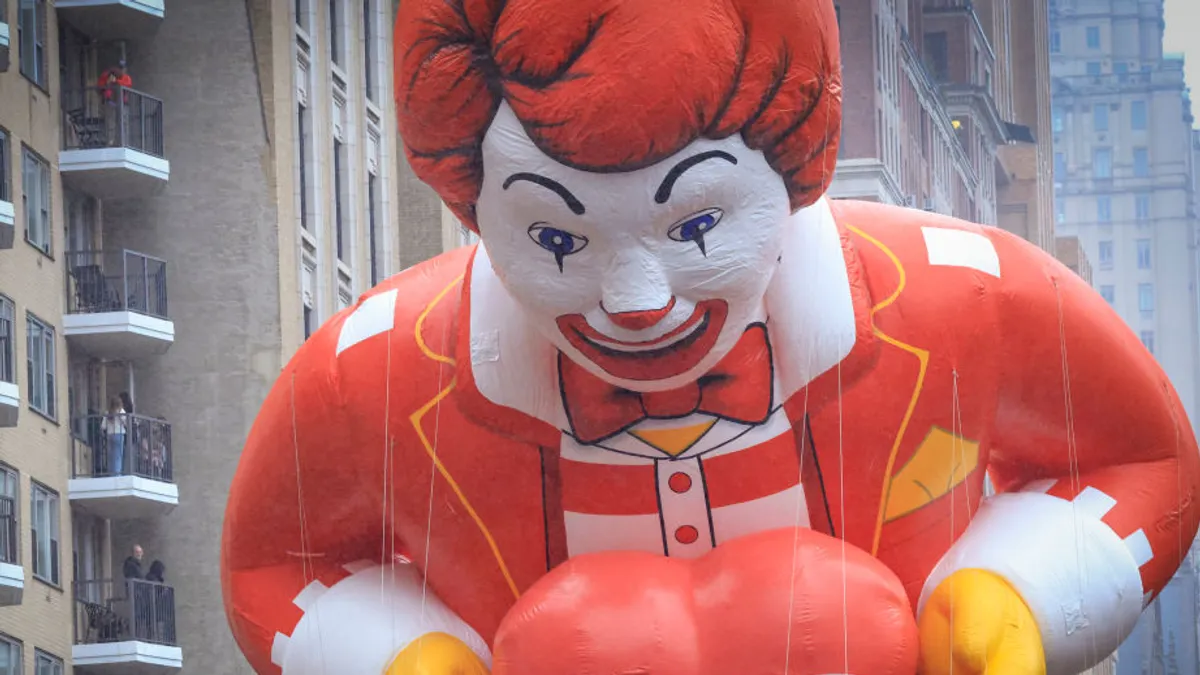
112	117
108	610
10	538
122	444
113	281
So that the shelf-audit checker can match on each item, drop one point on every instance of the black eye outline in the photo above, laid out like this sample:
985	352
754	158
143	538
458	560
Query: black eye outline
569	244
694	227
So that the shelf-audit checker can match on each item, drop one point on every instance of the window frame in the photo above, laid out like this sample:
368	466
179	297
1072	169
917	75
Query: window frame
37	69
1109	293
1104	212
337	41
54	508
1089	33
1145	257
1139	114
18	664
8	342
1097	153
44	242
44	658
1147	338
1106	261
1100	117
47	374
9	473
1141	169
1146	298
1140	199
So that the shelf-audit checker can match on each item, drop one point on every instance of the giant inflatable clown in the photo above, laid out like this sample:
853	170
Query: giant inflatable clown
678	413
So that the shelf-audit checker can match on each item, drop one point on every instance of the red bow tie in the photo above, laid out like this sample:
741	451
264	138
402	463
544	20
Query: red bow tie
738	388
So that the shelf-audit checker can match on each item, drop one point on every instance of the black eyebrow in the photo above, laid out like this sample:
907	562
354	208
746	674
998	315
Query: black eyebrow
664	191
572	201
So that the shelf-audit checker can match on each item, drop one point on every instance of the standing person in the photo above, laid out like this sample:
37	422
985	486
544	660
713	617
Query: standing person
115	428
133	564
109	82
157	570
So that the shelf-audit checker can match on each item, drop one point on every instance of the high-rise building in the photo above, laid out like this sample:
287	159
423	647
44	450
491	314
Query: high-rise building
1125	180
186	189
947	110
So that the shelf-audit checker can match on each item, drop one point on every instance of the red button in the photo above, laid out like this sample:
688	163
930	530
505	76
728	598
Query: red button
686	535
680	482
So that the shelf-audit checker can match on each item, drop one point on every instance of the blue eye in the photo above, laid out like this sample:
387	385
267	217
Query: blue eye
558	242
694	227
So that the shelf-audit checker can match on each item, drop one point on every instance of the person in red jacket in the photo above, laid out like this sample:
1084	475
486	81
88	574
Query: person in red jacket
112	79
678	413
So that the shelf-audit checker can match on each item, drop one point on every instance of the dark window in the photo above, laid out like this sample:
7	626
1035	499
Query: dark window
339	219
335	43
308	322
1055	42
939	55
1137	115
302	160
372	193
44	524
302	14
369	47
1093	37
8	341
31	37
1141	162
5	182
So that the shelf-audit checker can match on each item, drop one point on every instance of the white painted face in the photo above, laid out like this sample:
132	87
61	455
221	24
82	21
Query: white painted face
647	278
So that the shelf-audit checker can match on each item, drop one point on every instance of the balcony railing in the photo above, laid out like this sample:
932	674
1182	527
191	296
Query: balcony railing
121	444
112	117
121	611
114	281
10	541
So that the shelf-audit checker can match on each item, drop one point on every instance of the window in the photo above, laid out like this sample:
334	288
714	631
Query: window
1141	162
1148	340
35	200
43	509
1143	254
1141	206
1060	211
1146	298
1057	121
302	136
372	209
8	341
937	47
1060	167
369	47
11	661
10	540
1121	68
1093	68
31	35
45	664
40	351
308	322
1100	117
302	14
1106	254
1055	42
1093	37
335	26
5	183
340	223
1104	209
1108	293
1137	115
1102	163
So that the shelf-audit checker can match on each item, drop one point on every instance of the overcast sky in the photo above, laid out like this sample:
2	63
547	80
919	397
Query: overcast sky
1183	35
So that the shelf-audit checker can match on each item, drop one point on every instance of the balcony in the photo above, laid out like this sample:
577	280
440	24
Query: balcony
125	628
105	20
122	466
12	575
112	142
117	305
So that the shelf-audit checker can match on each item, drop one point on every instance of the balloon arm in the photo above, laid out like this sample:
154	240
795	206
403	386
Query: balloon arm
1077	576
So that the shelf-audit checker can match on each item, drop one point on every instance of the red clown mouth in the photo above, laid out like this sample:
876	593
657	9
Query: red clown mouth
681	349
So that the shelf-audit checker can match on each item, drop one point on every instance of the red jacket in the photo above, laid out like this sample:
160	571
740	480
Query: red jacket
965	337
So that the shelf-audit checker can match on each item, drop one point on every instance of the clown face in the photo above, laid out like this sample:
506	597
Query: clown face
645	277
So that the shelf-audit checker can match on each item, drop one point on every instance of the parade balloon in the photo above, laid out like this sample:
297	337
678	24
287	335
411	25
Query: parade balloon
678	412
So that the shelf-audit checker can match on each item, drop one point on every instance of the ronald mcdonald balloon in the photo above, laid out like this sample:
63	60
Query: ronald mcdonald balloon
678	413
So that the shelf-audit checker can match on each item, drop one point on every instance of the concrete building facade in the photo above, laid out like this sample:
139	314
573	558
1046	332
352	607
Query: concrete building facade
249	172
1125	182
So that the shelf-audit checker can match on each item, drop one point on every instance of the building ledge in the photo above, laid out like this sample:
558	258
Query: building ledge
10	404
8	222
867	179
124	497
114	172
12	584
127	658
119	335
106	20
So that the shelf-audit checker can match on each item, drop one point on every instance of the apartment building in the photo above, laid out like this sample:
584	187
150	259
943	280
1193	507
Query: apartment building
1125	181
947	110
238	159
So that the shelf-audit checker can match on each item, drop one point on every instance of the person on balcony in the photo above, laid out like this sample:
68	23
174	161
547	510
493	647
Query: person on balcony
133	564
157	570
115	428
109	82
